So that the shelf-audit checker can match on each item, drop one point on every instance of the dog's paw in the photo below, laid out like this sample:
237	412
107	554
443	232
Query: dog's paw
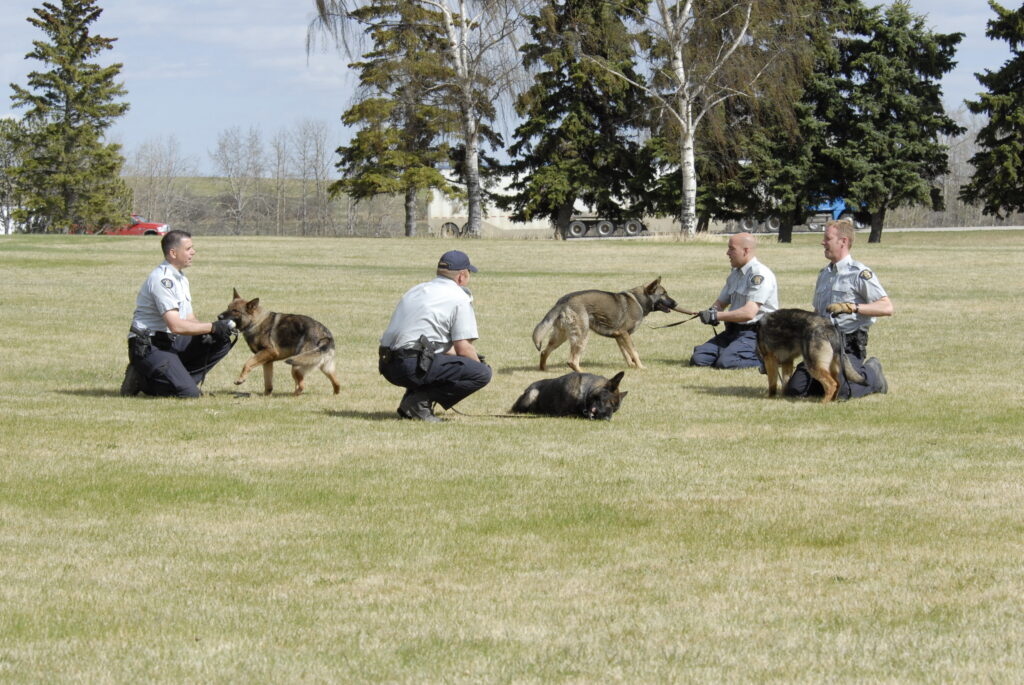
239	381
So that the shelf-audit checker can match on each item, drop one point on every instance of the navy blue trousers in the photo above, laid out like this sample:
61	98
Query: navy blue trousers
735	349
178	371
450	379
802	385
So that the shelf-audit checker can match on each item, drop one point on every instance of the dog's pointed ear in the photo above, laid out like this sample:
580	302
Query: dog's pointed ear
613	384
622	395
653	285
251	305
235	295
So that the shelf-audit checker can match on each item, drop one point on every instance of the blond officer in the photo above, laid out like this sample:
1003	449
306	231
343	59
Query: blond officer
851	294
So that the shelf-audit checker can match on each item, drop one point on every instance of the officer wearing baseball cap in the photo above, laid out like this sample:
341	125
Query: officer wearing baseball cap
428	347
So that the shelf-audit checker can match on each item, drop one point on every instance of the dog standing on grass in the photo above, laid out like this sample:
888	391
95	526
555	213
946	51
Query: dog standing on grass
613	315
298	340
788	334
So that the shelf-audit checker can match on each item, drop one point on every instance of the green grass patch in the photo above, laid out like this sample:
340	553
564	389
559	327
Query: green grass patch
706	533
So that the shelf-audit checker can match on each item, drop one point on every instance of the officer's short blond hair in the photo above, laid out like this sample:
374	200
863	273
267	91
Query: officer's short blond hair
844	229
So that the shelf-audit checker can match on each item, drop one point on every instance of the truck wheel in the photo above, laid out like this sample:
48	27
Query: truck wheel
748	224
772	224
449	230
576	229
852	219
604	228
632	227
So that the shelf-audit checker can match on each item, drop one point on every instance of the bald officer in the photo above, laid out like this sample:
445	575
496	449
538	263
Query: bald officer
169	350
852	295
750	292
428	345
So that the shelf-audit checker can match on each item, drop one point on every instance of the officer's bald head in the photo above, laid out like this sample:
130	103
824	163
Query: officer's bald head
741	249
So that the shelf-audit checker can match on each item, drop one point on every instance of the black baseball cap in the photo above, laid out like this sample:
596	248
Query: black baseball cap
455	260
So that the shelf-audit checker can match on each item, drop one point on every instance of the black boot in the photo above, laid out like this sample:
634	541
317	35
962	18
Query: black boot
880	385
132	383
416	405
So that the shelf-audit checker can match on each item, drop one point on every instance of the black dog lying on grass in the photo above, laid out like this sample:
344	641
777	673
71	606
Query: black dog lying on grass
574	394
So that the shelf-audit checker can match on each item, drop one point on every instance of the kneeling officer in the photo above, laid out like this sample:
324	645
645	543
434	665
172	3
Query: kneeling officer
428	345
169	350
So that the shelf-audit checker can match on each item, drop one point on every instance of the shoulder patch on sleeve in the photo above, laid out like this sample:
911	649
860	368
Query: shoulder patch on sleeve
757	279
866	274
167	283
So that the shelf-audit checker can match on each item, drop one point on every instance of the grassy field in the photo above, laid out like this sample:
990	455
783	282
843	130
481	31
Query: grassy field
705	534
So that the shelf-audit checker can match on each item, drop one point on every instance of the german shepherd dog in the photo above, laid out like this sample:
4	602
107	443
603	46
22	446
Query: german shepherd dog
300	341
574	394
788	334
613	315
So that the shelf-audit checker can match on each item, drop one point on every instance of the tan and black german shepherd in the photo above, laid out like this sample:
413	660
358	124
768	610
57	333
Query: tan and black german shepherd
788	334
574	394
298	340
613	315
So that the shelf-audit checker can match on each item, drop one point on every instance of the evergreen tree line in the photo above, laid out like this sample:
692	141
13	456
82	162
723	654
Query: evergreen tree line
698	110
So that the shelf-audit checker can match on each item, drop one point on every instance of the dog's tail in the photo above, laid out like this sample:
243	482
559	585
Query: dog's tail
313	355
849	371
544	327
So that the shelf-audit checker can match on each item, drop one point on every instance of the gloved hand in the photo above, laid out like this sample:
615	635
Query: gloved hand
222	329
709	316
841	308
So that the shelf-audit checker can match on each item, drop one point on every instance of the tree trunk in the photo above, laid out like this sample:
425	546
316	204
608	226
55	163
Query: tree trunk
474	194
410	212
786	227
877	221
564	217
687	158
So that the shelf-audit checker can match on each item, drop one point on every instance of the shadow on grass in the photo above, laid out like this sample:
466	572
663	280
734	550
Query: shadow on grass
366	415
92	392
729	391
555	369
116	392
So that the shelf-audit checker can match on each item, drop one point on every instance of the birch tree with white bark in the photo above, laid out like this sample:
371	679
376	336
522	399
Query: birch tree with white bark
700	53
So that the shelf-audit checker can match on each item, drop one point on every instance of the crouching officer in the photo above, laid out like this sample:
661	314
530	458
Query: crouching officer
428	345
169	350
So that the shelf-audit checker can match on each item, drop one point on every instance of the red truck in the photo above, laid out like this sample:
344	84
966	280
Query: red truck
138	226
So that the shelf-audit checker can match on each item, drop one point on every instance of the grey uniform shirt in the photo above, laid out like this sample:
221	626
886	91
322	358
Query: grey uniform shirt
752	282
440	309
847	281
164	290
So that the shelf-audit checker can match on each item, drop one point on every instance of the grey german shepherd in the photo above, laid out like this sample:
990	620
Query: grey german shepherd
574	394
613	315
786	335
298	340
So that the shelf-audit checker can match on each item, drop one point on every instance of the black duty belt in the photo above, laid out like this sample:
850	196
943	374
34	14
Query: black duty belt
163	340
387	355
732	326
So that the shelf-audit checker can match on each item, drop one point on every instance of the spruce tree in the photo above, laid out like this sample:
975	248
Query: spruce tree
885	151
998	180
69	174
399	145
781	138
578	140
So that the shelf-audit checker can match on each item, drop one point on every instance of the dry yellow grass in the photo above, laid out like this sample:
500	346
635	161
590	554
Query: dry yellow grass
705	534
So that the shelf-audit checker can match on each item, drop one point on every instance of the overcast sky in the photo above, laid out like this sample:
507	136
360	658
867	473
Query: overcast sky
194	68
